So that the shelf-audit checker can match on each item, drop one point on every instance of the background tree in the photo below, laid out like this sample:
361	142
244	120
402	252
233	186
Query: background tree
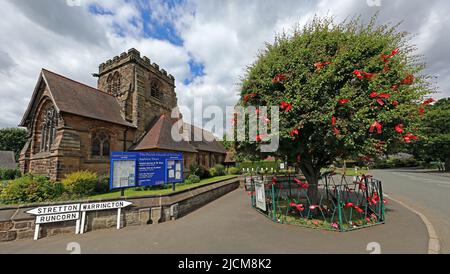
435	131
13	139
345	90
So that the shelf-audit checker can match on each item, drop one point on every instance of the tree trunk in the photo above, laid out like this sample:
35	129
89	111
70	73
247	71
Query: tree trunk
313	180
447	164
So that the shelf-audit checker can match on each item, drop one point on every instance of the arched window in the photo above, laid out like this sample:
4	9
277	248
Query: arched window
48	129
100	144
155	90
113	83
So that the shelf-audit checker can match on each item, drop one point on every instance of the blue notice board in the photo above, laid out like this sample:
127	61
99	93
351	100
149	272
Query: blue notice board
139	169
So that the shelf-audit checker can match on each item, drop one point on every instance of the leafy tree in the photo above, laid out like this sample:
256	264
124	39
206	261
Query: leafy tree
13	139
435	131
345	90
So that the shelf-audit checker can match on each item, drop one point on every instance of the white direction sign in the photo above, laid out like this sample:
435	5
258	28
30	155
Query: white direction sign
46	210
60	217
104	205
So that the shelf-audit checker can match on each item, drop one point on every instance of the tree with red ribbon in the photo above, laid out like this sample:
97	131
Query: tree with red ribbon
346	87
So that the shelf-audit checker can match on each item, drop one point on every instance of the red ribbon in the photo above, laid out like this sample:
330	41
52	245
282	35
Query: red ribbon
344	101
409	137
278	78
408	80
363	75
380	102
399	129
427	102
259	138
248	96
373	95
286	106
294	132
376	125
321	65
333	120
358	209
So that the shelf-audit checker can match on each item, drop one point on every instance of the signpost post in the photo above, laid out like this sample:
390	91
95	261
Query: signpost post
53	214
102	206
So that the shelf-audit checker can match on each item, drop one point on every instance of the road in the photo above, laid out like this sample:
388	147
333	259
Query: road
428	193
229	225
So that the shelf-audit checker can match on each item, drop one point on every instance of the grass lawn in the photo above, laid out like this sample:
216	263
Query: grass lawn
351	171
132	192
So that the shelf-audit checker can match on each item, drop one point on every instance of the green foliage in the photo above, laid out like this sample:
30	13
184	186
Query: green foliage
30	189
434	144
13	139
315	93
9	174
396	163
200	171
81	183
234	171
102	185
192	179
217	170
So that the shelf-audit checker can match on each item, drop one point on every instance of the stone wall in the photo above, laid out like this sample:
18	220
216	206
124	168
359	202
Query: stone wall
16	224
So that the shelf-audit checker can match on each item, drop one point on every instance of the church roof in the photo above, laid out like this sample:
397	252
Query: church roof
160	137
72	97
8	160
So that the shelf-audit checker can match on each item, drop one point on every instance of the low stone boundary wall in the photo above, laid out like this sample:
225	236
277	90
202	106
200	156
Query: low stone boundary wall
16	224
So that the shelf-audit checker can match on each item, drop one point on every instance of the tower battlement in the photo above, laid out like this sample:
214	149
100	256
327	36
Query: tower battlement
134	55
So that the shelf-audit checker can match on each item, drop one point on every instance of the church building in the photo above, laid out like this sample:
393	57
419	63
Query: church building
72	126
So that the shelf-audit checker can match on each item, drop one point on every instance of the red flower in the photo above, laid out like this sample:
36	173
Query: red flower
333	120
395	103
373	95
279	78
286	106
321	65
376	125
344	101
248	96
294	132
399	129
408	80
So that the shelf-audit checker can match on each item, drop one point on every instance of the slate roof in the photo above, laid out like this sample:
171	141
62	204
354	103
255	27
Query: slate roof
70	96
160	137
8	160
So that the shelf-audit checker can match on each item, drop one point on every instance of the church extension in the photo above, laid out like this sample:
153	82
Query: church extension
72	126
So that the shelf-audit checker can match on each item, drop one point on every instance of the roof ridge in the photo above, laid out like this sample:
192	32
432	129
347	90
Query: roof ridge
77	82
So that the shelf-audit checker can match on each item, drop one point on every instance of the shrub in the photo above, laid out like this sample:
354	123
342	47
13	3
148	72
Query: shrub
200	171
192	179
81	183
102	185
9	174
220	169
234	171
30	189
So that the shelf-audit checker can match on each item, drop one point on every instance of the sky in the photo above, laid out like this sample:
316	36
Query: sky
205	44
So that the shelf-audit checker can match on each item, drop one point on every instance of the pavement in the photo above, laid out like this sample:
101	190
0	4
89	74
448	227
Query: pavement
229	225
424	191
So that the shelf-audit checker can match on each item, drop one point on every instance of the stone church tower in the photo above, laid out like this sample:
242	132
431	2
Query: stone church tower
144	91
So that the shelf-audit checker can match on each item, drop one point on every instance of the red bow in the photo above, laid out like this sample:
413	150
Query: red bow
361	74
301	184
248	96
387	57
409	137
427	102
279	78
399	129
294	132
358	209
344	101
321	65
286	106
259	138
373	95
408	80
376	125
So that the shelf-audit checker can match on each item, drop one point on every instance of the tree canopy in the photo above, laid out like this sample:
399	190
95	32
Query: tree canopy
13	139
344	90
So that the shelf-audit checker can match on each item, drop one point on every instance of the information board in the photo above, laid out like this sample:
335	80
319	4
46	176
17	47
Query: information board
260	195
133	169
